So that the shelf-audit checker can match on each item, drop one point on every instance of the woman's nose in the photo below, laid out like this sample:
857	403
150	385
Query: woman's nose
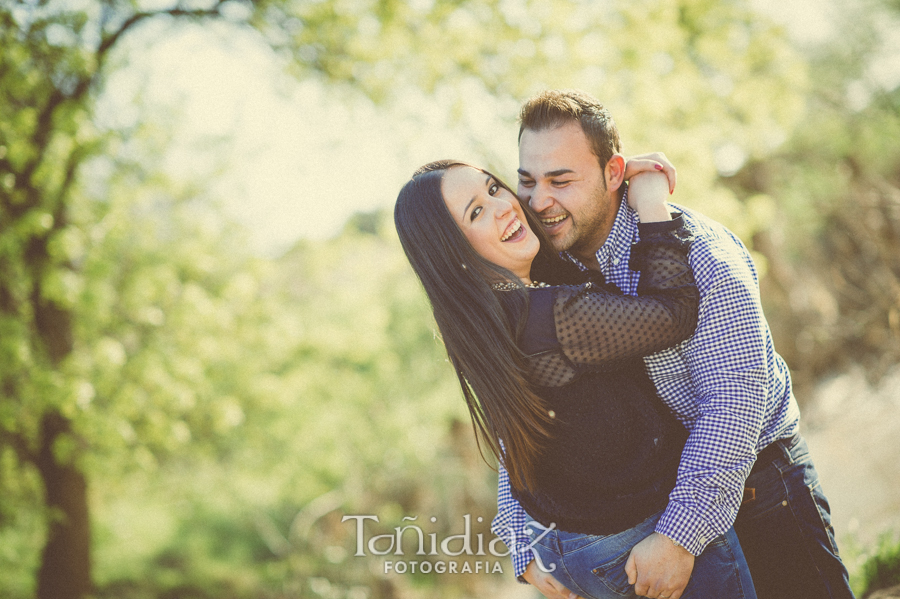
502	208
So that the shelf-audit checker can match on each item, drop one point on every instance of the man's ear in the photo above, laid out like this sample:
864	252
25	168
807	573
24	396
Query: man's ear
615	172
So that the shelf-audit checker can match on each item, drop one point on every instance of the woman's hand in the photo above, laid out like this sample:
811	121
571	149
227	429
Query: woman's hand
652	162
647	194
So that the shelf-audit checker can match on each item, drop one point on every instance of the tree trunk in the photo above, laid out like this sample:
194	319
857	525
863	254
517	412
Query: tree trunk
65	571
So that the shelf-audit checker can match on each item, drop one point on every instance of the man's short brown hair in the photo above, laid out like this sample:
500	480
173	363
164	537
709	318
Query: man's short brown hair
554	108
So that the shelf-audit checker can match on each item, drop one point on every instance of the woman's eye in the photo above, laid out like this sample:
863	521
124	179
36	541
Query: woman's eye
475	213
493	189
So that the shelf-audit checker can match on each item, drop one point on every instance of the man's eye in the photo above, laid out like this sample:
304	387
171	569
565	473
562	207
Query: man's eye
560	183
475	213
526	182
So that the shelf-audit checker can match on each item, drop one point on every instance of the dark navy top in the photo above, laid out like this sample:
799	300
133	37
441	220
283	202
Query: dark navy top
615	447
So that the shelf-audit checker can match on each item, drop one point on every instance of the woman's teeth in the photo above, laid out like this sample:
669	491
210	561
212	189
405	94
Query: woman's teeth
510	232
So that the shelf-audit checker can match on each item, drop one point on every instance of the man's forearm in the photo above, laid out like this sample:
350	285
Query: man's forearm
723	393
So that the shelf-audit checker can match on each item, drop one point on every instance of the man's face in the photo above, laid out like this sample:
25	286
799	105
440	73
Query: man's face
562	180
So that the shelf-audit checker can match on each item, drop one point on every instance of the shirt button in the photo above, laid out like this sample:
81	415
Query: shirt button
616	261
784	503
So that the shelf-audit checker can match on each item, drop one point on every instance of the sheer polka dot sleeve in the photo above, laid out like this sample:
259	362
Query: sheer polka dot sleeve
594	325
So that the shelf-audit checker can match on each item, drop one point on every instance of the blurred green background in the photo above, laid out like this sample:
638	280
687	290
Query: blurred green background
212	349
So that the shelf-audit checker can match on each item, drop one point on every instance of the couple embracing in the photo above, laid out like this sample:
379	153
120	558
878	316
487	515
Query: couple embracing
614	357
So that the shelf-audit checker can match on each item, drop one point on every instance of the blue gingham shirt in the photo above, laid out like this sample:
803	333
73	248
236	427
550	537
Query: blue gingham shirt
726	384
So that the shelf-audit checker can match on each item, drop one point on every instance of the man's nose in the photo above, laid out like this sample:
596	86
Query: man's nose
540	199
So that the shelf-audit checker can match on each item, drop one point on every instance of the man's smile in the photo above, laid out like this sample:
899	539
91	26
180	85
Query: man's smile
551	221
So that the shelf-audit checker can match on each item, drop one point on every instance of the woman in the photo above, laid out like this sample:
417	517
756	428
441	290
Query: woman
552	374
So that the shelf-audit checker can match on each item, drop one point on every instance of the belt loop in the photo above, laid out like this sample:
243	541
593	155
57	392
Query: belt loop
785	445
789	444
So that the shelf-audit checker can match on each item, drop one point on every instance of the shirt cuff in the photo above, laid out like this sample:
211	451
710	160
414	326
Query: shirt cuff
663	226
681	524
521	556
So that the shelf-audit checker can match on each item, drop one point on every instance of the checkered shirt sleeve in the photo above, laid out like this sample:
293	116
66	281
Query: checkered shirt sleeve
509	526
727	385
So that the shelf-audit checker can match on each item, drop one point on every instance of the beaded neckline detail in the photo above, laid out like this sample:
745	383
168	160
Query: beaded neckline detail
510	286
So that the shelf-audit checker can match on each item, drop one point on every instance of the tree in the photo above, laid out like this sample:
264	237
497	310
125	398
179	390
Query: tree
51	70
829	201
86	329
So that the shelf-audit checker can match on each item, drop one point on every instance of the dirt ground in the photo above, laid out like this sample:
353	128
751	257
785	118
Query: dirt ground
853	430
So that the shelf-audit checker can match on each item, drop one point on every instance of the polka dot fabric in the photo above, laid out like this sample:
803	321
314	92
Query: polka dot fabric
596	325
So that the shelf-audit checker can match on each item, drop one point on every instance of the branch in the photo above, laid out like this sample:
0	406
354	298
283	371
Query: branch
109	41
72	164
44	126
19	445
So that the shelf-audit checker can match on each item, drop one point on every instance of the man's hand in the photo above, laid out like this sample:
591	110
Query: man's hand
653	162
659	568
546	584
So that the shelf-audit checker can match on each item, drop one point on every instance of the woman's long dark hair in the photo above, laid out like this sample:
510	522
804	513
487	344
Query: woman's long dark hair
473	321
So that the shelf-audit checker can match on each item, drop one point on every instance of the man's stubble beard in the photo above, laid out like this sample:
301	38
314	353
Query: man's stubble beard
590	227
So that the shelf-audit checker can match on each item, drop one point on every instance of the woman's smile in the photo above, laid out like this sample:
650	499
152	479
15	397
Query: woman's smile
515	232
491	218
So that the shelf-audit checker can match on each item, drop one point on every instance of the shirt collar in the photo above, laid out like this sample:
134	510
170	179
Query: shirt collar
618	242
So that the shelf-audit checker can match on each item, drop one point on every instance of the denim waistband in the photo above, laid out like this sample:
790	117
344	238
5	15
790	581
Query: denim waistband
775	450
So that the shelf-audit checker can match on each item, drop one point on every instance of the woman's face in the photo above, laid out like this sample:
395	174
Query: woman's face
491	219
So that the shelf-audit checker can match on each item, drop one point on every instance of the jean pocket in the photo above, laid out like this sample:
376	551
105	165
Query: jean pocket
767	508
612	574
770	496
824	512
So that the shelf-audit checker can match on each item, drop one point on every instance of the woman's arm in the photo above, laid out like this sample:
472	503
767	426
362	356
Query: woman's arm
596	325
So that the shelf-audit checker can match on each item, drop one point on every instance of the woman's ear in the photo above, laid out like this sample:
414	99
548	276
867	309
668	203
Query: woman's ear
615	172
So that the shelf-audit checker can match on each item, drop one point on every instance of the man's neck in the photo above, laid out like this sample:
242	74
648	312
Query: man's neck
588	256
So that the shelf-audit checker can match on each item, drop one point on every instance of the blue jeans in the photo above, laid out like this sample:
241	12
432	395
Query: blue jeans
594	566
785	530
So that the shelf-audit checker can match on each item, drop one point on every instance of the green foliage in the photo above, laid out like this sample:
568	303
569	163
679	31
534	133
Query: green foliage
168	327
350	408
228	409
831	240
882	569
22	527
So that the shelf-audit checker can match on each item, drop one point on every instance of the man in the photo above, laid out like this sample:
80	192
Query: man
726	384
